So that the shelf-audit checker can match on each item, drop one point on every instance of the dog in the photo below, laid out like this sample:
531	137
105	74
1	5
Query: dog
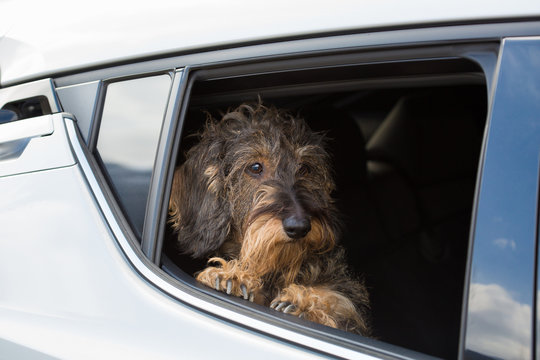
254	196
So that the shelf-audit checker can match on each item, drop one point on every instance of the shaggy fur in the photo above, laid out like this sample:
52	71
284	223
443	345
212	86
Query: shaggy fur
255	193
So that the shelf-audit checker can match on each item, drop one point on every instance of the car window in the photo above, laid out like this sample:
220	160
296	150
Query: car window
131	121
405	154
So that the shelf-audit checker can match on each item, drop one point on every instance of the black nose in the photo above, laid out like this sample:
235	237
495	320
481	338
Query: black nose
296	227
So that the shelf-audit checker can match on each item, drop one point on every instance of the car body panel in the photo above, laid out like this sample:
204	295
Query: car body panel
165	27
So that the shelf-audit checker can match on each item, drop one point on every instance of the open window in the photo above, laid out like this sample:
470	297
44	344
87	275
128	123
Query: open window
405	139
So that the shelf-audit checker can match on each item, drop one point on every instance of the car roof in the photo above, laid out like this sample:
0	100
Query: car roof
43	38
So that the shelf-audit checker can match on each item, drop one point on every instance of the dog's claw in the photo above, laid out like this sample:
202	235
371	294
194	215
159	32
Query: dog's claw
244	291
290	308
282	305
228	288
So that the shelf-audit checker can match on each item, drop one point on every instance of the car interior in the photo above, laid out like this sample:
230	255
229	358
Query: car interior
405	138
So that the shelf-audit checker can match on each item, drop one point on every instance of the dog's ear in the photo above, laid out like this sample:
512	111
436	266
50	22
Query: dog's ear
198	207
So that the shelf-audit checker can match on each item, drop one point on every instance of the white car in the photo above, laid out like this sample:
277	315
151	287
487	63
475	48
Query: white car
433	111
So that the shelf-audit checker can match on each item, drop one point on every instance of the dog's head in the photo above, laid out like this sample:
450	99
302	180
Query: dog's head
258	175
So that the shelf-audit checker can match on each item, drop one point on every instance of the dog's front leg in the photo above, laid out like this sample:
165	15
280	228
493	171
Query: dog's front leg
322	305
232	278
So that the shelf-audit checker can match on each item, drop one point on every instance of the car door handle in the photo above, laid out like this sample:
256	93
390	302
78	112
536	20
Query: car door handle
35	144
15	135
24	129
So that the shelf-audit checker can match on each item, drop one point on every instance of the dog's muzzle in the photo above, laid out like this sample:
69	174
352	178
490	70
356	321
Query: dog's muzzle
296	227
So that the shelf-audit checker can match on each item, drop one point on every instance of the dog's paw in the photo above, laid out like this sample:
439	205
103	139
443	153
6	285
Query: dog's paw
318	304
230	278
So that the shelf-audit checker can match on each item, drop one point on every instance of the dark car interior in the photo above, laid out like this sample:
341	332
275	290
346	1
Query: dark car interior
405	140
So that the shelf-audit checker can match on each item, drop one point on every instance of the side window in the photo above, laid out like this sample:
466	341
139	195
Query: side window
128	137
405	144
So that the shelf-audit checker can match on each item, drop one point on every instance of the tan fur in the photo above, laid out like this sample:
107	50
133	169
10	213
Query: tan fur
322	305
211	173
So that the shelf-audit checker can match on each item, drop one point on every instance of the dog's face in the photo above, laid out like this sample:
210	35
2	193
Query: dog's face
258	176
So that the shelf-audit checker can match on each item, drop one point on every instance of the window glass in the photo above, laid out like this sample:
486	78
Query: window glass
128	137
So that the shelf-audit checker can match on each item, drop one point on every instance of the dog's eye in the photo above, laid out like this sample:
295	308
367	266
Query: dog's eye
304	169
255	168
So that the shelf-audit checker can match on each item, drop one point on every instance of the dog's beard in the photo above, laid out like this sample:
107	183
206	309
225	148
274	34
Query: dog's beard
267	249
